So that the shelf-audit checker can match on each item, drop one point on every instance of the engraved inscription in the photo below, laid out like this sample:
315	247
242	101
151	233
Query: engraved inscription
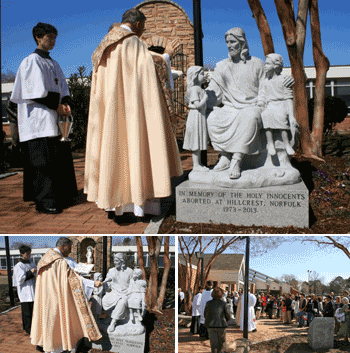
242	201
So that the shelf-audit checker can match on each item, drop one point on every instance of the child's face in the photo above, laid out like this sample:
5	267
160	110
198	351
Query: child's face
201	76
26	255
136	275
269	65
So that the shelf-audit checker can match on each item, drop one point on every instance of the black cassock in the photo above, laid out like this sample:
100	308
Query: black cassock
48	172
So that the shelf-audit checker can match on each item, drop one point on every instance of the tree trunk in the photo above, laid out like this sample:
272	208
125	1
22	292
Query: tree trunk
263	26
301	23
152	288
322	66
286	17
167	265
140	256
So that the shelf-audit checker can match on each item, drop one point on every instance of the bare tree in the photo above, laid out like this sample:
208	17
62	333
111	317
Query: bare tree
17	244
153	301
294	31
338	242
8	76
190	245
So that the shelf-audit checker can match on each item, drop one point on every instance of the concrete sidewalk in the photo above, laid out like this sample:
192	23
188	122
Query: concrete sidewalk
19	217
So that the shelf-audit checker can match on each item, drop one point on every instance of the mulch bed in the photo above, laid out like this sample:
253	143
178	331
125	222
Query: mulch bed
162	338
329	187
295	344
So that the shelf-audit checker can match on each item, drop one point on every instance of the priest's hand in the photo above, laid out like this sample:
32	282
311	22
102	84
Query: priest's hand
98	284
171	46
63	110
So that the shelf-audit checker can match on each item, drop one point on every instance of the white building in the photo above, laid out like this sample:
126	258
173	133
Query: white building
129	250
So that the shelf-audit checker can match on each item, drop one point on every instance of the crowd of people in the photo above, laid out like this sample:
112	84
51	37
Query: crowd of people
215	308
301	309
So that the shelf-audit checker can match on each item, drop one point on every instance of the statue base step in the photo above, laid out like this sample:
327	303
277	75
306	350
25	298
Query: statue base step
128	343
279	206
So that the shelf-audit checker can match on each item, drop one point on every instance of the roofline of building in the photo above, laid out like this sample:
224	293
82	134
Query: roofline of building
115	248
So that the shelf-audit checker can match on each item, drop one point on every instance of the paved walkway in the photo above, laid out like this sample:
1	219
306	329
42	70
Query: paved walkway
18	217
266	330
13	339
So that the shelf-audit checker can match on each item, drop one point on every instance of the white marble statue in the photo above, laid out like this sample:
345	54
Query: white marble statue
244	124
278	115
89	253
234	128
136	301
196	134
96	300
116	301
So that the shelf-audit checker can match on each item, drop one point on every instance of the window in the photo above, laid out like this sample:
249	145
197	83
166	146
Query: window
3	263
342	90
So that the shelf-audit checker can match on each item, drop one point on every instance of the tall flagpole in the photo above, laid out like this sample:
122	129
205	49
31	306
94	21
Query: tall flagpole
198	48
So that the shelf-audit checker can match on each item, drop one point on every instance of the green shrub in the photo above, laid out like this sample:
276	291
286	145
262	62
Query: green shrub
80	86
335	111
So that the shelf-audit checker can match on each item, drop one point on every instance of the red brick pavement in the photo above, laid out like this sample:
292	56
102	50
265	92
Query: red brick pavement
266	329
18	217
13	339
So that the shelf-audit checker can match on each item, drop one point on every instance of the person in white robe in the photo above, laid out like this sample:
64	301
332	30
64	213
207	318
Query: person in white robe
196	311
24	279
251	314
42	95
206	296
131	150
62	316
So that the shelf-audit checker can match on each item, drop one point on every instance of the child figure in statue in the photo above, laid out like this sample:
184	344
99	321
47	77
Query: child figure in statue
278	116
196	135
136	301
96	300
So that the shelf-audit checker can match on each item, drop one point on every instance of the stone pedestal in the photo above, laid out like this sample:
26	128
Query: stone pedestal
321	333
121	344
278	206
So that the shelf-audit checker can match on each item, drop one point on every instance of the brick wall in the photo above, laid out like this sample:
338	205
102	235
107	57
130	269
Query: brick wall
165	22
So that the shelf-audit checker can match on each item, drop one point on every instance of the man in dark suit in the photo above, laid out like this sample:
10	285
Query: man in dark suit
216	316
328	311
288	303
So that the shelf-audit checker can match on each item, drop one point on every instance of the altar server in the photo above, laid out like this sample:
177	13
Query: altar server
42	94
24	279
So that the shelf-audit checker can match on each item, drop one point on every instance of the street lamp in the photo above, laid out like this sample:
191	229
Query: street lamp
200	255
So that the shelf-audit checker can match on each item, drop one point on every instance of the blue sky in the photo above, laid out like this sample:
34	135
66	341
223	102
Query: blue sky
296	257
82	25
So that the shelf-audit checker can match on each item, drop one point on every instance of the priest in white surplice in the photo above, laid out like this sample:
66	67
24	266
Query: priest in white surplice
42	94
251	314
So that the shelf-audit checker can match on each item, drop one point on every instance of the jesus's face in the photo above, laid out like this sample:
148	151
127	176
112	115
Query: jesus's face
234	46
118	263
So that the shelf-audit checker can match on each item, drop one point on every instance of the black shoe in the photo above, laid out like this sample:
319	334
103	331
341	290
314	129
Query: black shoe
47	209
111	214
39	348
255	330
126	218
